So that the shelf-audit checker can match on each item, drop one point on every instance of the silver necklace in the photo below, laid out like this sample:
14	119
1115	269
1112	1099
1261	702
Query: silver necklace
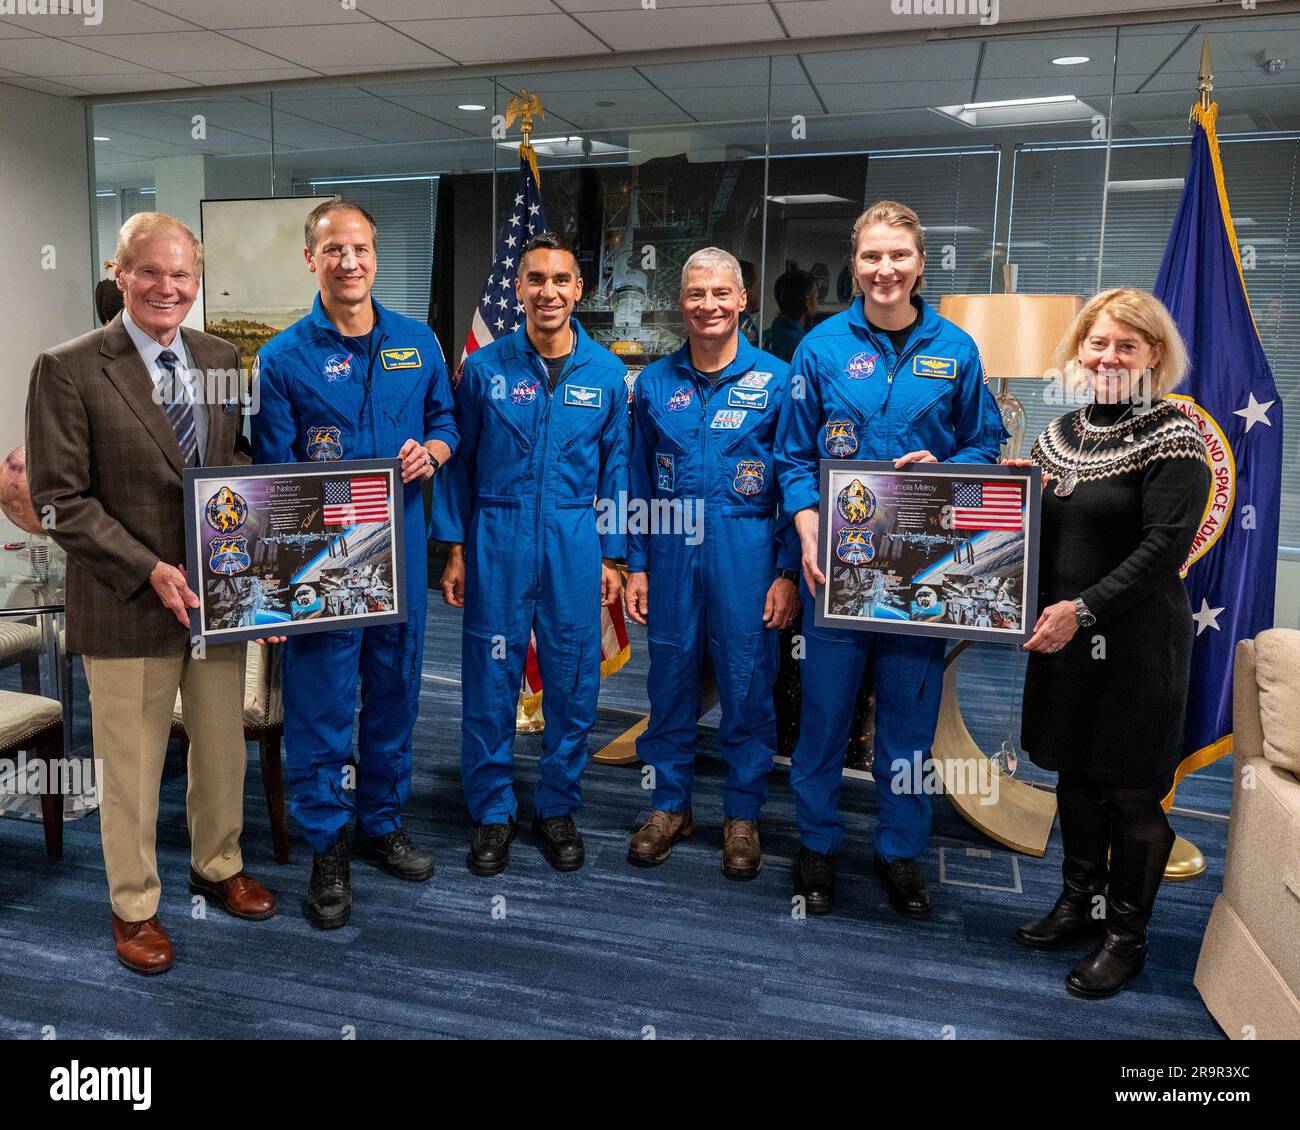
1065	485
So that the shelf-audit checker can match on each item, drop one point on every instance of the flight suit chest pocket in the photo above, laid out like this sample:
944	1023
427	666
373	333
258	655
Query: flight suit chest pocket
578	411
519	419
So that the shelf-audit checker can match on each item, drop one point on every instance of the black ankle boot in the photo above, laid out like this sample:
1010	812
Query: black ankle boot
329	893
1085	836
1137	870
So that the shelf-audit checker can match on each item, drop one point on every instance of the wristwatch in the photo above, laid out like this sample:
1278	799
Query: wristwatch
1083	614
791	575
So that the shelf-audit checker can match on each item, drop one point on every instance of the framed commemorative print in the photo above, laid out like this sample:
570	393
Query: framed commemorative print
288	548
934	549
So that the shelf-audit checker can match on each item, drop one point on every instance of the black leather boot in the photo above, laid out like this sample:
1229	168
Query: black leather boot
814	880
1085	836
329	894
1137	870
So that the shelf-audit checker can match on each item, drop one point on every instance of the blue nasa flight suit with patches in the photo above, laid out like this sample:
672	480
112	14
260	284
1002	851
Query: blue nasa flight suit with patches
521	496
695	443
863	402
320	402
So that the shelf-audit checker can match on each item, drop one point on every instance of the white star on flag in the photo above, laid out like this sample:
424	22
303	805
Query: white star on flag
511	241
502	302
500	324
533	209
1207	617
508	261
518	198
1255	413
514	220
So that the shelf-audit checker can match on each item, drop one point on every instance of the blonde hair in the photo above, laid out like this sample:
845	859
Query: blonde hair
144	224
896	215
1145	314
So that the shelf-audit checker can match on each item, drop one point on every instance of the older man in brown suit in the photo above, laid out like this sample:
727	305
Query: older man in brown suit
110	428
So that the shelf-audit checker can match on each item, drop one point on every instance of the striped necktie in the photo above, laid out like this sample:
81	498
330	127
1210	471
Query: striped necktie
179	412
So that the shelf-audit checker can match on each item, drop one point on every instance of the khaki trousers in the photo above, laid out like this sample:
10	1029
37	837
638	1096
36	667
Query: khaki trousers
130	713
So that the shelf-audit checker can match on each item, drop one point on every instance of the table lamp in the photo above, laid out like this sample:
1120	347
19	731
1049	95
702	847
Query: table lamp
1017	335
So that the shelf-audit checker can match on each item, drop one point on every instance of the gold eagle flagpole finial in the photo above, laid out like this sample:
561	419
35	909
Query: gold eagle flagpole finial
523	107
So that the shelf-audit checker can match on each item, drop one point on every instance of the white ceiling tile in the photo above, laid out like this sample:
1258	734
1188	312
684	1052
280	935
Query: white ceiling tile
480	40
387	69
580	6
654	28
229	78
178	51
45	86
367	45
222	14
851	17
16	31
124	84
53	56
391	10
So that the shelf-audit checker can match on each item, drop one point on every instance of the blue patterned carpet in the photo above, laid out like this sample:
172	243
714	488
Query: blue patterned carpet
609	951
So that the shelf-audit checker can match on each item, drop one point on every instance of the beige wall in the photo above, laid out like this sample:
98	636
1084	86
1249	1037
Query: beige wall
45	196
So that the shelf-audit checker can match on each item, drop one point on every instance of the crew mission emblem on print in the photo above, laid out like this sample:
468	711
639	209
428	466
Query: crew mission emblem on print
854	547
841	438
749	477
856	503
226	511
229	555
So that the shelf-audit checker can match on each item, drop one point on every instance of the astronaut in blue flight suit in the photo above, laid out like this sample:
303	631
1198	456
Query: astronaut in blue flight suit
712	564
530	507
887	379
352	380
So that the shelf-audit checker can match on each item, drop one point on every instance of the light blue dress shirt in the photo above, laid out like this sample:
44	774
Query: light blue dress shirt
149	349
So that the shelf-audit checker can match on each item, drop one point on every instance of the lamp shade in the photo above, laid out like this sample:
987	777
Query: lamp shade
1016	333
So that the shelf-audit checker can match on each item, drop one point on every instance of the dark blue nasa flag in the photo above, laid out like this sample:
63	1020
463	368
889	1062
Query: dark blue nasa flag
1231	572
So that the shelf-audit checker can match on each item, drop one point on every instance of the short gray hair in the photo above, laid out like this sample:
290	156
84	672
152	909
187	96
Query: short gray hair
713	259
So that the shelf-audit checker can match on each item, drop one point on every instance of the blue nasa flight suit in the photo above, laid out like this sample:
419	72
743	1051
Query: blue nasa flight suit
863	402
321	402
534	472
695	443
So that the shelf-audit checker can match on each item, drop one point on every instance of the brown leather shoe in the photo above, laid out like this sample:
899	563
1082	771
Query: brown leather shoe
240	895
652	843
142	947
742	854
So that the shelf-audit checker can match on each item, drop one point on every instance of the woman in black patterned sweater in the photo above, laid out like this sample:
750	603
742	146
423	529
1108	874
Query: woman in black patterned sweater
1126	484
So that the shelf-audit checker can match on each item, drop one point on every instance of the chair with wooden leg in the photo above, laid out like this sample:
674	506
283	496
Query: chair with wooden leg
263	723
35	723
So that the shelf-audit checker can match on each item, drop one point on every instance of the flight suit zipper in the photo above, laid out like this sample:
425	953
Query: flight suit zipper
545	448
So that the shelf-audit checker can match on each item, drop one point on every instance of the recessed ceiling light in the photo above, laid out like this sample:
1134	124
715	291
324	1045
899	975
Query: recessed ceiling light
471	106
1006	103
98	138
1071	60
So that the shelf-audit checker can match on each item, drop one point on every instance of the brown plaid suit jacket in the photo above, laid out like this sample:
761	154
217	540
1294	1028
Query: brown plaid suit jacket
103	463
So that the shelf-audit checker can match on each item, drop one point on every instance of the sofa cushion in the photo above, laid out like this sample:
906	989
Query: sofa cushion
1277	671
1262	875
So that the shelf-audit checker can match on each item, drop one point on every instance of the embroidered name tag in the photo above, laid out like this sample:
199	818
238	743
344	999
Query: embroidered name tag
400	358
582	397
945	367
742	398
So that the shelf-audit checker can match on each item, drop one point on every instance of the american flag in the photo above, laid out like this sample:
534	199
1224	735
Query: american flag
349	501
986	506
499	311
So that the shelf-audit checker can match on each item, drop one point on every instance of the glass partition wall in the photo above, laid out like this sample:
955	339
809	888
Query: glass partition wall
1061	154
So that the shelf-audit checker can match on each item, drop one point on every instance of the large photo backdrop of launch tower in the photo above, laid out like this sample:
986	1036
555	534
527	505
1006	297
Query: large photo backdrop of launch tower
635	226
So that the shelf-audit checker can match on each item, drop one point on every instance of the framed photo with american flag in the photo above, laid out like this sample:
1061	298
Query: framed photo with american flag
282	549
934	549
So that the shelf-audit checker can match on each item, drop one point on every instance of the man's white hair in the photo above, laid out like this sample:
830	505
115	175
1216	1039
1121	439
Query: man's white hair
713	259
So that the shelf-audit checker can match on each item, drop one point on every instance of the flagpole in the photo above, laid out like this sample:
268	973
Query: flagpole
1186	860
